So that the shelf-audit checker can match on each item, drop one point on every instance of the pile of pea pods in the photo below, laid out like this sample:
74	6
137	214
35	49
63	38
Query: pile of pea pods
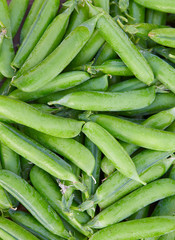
87	120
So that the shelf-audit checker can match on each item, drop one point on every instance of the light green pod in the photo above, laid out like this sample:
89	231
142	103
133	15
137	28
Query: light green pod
163	36
137	229
108	101
161	5
133	202
137	12
17	9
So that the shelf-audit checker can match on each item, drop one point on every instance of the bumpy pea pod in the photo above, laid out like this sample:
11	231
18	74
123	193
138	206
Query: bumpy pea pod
33	202
34	152
167	53
133	202
124	47
28	222
52	36
108	101
137	12
7	51
162	5
104	54
46	13
42	181
155	17
163	36
138	134
17	111
17	11
137	229
52	65
94	84
112	149
61	82
10	230
149	164
68	148
163	72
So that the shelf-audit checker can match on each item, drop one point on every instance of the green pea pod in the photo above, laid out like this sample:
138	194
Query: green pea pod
104	54
130	204
5	87
172	173
3	32
28	222
155	17
149	164
7	51
26	166
137	12
42	181
167	53
107	167
112	149
162	5
51	66
114	8
124	47
137	229
56	126
46	13
68	148
33	202
34	152
163	36
44	108
94	84
52	36
17	11
138	134
142	213
108	101
102	4
61	82
11	230
32	15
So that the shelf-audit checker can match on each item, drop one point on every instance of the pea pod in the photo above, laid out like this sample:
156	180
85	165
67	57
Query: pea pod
155	17
137	229
26	166
167	53
17	11
41	181
40	51
17	111
7	51
133	133
162	5
68	148
108	101
3	32
130	204
137	12
28	222
124	47
104	54
102	4
142	213
112	149
61	82
163	36
46	13
52	65
94	84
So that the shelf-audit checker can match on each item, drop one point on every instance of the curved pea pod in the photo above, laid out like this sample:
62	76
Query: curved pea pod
167	53
124	47
133	202
52	65
138	134
51	35
28	222
108	101
42	181
61	82
112	149
7	51
137	12
104	54
11	230
155	17
68	148
94	84
137	229
17	11
17	111
46	13
162	5
163	36
107	167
